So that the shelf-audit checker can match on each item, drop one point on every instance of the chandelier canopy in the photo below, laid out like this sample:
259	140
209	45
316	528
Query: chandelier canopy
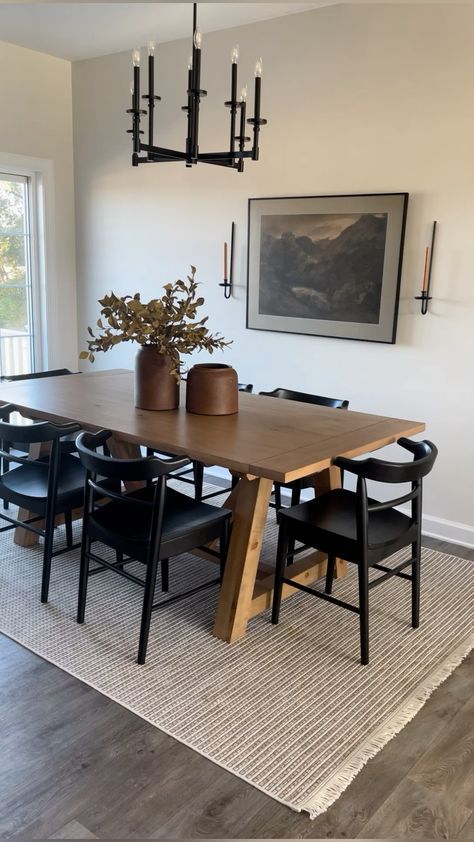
235	155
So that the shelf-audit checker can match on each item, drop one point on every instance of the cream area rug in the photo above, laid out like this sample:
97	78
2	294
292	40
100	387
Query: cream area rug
288	708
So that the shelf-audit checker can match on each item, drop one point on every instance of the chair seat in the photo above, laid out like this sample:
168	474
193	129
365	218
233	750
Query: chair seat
27	485
329	523
186	524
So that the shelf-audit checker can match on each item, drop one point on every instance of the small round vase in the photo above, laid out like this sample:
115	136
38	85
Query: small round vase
155	387
212	389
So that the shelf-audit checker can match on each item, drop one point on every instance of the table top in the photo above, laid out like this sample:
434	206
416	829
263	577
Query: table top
269	437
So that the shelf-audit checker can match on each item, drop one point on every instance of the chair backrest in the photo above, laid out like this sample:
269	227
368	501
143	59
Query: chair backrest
379	470
35	375
143	469
305	397
39	431
245	387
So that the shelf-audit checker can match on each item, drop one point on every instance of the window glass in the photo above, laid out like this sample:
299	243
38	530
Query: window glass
16	282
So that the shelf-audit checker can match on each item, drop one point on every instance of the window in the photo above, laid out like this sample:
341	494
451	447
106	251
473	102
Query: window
17	287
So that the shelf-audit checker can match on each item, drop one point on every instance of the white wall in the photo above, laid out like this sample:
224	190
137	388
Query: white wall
359	99
36	130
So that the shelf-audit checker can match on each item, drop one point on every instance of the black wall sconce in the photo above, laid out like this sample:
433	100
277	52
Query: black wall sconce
425	291
229	274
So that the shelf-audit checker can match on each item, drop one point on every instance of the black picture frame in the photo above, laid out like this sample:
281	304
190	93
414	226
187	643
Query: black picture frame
326	265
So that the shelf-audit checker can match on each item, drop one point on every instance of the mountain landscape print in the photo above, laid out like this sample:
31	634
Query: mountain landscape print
325	266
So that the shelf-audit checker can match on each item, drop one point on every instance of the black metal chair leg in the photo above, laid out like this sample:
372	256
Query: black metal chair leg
165	575
364	612
148	596
68	524
235	481
296	493
415	585
198	472
83	579
47	554
277	494
224	547
330	573
282	552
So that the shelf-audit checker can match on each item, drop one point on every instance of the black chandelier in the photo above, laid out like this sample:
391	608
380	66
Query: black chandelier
234	157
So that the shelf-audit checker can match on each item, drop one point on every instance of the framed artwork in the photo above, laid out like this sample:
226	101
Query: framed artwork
326	265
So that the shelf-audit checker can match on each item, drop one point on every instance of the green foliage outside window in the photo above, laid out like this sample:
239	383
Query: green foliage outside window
13	300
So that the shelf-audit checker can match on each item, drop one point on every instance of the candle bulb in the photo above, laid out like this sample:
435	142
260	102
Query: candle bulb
425	270
197	59
225	261
198	39
136	57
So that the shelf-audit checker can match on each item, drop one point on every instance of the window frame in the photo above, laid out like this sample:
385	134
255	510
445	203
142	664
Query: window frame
31	263
40	171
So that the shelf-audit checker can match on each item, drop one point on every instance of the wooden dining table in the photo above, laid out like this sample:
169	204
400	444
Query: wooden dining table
267	441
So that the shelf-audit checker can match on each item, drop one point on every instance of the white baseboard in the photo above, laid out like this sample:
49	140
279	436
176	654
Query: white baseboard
448	530
434	527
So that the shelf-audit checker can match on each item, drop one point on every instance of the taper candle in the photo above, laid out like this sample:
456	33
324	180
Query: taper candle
225	261
425	270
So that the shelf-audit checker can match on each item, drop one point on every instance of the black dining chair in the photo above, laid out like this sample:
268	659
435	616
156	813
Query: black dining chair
67	444
297	485
149	525
36	375
51	485
353	526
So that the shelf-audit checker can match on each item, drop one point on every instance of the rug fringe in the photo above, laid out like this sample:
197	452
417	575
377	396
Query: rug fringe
328	794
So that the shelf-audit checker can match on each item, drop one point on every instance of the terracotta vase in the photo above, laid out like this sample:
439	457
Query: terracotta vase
155	387
212	389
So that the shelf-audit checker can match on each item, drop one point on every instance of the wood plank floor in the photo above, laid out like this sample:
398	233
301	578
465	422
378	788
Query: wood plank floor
75	765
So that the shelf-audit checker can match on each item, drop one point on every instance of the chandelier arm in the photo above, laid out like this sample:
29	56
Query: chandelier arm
229	164
196	103
157	159
256	117
242	138
151	96
136	115
223	156
172	154
195	88
233	107
189	109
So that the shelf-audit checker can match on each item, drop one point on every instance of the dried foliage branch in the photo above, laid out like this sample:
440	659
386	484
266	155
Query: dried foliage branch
168	323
